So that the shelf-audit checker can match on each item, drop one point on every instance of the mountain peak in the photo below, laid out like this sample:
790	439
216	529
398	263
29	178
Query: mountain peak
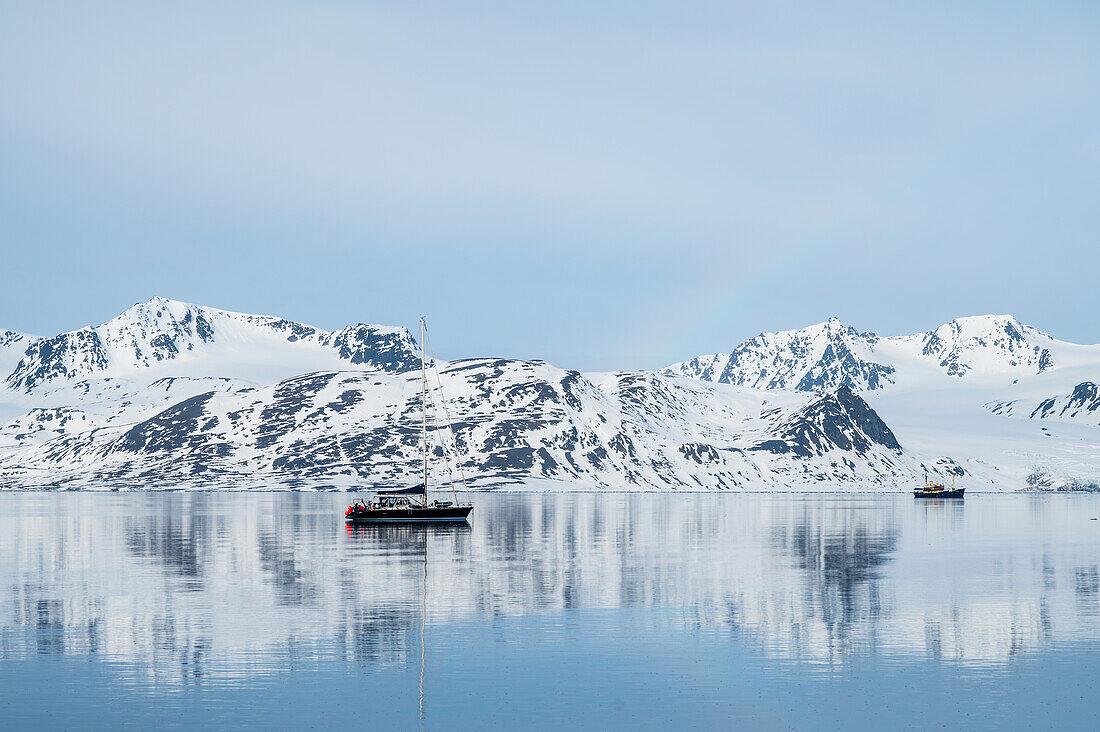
167	333
988	344
158	310
821	356
987	318
978	323
158	301
830	354
974	325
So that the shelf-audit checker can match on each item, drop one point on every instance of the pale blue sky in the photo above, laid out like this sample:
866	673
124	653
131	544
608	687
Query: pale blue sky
602	186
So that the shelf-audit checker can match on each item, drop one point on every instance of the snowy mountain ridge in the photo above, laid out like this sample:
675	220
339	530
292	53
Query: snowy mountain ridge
513	420
12	347
825	355
170	394
159	331
831	354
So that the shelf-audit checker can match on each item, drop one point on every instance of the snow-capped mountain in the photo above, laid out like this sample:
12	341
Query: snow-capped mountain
12	347
172	394
513	420
988	344
822	356
964	389
160	332
831	354
1082	405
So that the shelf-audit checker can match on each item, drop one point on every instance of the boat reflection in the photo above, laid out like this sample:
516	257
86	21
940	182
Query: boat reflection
182	586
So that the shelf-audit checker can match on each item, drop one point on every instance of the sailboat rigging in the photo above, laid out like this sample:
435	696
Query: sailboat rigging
412	504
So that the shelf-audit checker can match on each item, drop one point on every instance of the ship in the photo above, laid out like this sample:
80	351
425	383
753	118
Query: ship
413	504
932	489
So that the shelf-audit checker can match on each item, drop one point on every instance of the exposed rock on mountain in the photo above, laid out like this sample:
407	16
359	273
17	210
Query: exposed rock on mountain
1083	401
1081	405
837	421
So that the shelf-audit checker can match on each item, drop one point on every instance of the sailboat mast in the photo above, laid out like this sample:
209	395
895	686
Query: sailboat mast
424	408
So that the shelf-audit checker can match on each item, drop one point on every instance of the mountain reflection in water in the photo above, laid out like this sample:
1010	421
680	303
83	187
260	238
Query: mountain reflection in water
185	587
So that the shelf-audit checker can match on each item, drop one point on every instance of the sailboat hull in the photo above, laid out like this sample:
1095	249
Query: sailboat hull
411	514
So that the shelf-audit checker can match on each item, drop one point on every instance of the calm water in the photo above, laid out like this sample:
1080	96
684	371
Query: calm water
635	611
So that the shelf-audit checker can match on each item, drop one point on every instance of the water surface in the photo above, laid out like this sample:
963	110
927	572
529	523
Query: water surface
581	610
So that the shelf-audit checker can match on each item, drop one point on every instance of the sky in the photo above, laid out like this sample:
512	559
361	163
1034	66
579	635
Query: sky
604	186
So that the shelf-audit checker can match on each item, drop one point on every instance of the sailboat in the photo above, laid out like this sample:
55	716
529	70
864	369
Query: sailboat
412	504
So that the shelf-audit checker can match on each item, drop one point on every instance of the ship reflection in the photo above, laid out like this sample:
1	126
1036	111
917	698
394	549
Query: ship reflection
407	539
399	536
179	584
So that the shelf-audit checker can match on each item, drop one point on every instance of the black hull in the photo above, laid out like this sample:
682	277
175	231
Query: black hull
411	514
957	493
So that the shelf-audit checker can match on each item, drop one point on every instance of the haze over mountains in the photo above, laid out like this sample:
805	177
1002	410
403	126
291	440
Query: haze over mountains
171	394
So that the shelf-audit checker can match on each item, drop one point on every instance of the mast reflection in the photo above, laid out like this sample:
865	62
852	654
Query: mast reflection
181	584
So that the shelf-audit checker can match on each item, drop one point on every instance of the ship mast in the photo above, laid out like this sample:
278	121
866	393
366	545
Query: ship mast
425	349
424	409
